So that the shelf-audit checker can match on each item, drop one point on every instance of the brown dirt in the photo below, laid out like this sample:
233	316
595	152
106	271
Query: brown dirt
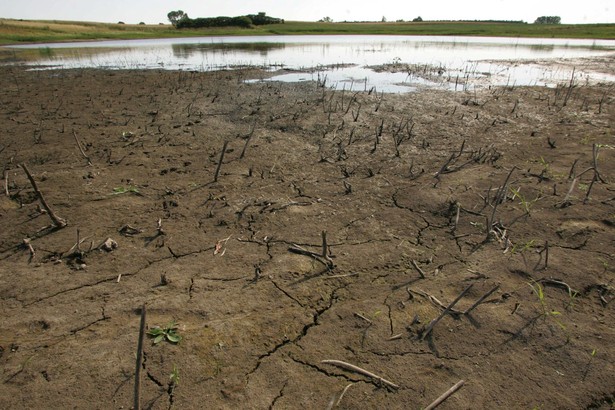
258	320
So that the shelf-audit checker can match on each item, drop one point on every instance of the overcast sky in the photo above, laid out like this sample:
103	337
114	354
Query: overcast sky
155	11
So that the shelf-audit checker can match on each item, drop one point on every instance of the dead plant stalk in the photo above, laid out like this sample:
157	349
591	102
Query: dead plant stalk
137	390
359	370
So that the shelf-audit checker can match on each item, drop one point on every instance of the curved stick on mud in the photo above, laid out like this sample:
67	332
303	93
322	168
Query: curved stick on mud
57	221
356	369
445	395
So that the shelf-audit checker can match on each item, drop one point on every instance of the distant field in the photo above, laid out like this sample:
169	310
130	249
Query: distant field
23	31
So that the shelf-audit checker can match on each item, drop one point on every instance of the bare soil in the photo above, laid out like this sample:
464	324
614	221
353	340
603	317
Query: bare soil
422	196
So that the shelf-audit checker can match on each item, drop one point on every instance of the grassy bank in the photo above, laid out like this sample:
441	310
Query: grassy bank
21	31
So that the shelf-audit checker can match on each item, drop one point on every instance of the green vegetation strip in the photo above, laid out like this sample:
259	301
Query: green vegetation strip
21	31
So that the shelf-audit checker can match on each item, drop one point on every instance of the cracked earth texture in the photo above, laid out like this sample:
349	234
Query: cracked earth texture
421	195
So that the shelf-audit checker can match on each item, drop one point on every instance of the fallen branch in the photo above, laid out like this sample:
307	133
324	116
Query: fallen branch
445	395
364	372
56	220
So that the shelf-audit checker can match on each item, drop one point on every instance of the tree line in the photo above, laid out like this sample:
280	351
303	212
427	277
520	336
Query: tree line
180	19
548	20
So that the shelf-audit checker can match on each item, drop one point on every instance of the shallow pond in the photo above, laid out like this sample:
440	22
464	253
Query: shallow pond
355	62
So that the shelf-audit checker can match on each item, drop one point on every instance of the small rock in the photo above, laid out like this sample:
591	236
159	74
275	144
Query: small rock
108	245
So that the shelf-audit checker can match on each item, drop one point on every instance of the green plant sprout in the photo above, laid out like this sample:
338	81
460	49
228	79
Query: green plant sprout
572	297
604	262
122	190
169	332
546	312
523	247
589	363
174	377
527	205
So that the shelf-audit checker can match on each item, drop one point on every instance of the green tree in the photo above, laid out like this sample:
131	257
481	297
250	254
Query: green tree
548	20
176	16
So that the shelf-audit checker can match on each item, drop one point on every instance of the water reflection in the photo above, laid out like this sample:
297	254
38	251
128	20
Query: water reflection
542	47
261	48
463	61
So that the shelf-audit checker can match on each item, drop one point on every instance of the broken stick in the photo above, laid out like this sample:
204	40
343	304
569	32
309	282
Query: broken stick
445	395
448	309
57	221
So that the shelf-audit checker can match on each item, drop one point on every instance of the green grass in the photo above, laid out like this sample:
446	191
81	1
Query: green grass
40	31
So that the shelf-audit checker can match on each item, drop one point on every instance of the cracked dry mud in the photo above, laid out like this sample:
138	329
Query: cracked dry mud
405	187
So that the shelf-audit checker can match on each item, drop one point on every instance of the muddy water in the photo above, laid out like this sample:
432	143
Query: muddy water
413	62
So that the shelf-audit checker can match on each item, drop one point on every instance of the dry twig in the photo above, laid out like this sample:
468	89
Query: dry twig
447	310
56	220
359	370
445	395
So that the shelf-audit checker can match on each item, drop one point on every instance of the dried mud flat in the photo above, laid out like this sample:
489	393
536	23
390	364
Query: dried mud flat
502	197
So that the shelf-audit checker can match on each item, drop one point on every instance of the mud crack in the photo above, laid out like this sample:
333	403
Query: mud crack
279	396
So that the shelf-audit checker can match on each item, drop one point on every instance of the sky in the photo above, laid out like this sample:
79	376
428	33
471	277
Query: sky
155	11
